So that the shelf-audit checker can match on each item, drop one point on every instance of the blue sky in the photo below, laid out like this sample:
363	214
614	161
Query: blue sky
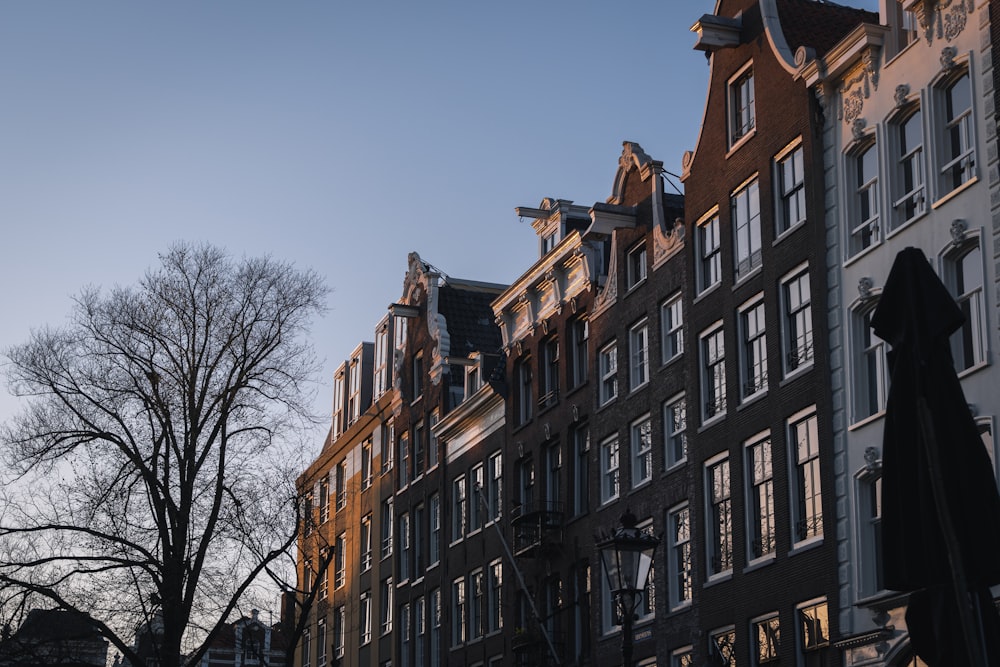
337	135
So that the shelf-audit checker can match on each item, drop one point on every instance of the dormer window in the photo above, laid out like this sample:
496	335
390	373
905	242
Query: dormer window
472	380
549	241
636	266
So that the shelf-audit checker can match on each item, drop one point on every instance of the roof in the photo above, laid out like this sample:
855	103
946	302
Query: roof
819	25
469	317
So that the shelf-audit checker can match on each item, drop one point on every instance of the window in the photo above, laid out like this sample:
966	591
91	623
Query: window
864	213
382	352
354	397
435	619
760	503
324	500
459	507
682	657
366	542
419	525
744	206
339	422
808	506
550	373
797	326
458	617
308	519
477	609
494	487
741	106
767	638
366	464
870	525
321	640
908	199
964	275
645	608
434	548
386	524
638	352
790	178
549	242
324	584
720	519
341	481
608	362
553	466
433	455
385	595
578	335
418	450
404	546
959	146
904	23
870	384
713	373
339	627
636	266
609	469
709	248
642	451
494	620
386	441
307	575
581	470
306	647
405	638
610	614
522	390
814	625
674	435
722	647
417	386
475	504
753	350
365	614
404	460
679	584
526	481
672	328
420	614
340	560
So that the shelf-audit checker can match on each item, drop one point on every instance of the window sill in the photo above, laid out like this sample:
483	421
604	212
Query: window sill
978	366
751	399
906	224
867	420
640	486
605	404
634	287
806	545
741	280
788	232
719	578
716	419
675	466
791	376
639	387
672	360
708	290
758	563
736	145
864	251
944	199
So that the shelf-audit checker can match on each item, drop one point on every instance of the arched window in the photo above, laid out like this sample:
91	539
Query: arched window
963	274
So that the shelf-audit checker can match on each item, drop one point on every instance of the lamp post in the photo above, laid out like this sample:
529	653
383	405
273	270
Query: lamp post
627	557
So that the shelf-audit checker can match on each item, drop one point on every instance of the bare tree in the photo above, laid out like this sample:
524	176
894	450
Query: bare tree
151	475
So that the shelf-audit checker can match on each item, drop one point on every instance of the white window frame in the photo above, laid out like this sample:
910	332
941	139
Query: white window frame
672	328
712	358
962	126
610	467
868	491
339	630
969	345
550	372
726	651
579	333
909	181
807	497
790	191
365	614
708	244
608	364
366	542
460	509
765	638
674	431
797	347
804	618
434	531
744	211
386	589
870	368
719	557
741	113
387	526
635	266
680	572
494	486
753	348
761	517
340	561
641	439
864	211
638	349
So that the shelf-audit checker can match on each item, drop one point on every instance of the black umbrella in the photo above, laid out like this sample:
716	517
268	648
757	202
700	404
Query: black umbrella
940	505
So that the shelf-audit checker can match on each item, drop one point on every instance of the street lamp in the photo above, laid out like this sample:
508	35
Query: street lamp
627	556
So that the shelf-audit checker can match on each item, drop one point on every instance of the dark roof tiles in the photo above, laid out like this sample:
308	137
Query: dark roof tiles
819	25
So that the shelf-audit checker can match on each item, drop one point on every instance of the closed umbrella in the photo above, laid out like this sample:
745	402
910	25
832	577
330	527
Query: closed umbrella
940	505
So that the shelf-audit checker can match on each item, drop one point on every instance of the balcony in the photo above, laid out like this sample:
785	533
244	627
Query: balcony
537	528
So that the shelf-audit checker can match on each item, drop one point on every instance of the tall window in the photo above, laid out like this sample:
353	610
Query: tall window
959	154
753	350
405	555
494	486
742	117
405	637
642	451
636	266
581	470
382	352
870	525
608	361
745	211
708	242
366	464
808	509
321	640
578	335
339	390
477	604
909	200
385	596
679	556
339	627
964	274
722	647
365	538
720	519
458	612
522	390
766	638
434	548
609	469
387	441
790	174
433	454
306	648
420	623
419	459
550	372
419	526
553	471
476	486
760	505
341	484
797	327
814	629
386	523
354	397
494	620
340	560
672	328
865	212
638	351
674	431
365	617
713	373
404	459
459	508
870	385
324	500
417	379
435	620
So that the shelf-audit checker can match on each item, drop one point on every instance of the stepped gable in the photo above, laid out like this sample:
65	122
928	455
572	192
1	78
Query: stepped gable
819	25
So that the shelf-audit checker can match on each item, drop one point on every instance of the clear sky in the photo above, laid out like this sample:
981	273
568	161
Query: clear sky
337	135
